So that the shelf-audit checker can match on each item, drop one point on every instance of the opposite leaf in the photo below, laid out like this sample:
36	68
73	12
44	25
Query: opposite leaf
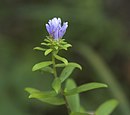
56	84
73	64
61	59
66	72
85	87
73	100
39	48
47	69
48	51
107	107
41	65
53	100
49	97
34	93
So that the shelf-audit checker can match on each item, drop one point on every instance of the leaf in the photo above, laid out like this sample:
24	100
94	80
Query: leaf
85	87
31	90
39	48
48	51
41	65
66	72
61	59
107	108
73	100
48	96
56	84
78	113
34	93
68	45
47	69
46	44
53	100
73	64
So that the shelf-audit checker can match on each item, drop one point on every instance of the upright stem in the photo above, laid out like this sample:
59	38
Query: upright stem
54	68
55	75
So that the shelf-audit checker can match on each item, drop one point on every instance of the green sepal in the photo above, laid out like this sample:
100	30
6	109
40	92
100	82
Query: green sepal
107	107
48	51
56	84
41	65
61	59
85	87
65	47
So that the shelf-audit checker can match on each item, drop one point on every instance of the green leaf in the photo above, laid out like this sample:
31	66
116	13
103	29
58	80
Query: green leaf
66	72
41	65
56	84
73	100
31	90
46	44
107	108
53	100
34	93
48	96
85	87
68	45
47	69
39	48
48	51
61	59
73	64
78	113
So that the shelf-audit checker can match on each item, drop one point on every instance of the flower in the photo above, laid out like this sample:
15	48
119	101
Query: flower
55	29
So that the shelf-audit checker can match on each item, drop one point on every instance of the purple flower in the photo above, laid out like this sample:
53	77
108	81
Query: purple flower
55	29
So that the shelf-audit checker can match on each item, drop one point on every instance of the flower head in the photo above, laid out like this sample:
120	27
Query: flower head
55	29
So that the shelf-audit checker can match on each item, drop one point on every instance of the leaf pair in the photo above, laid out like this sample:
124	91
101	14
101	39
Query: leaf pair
72	95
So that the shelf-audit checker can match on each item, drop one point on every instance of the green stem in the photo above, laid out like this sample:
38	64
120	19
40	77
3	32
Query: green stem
54	68
55	75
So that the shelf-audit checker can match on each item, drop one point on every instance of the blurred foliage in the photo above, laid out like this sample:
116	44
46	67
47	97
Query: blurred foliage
22	27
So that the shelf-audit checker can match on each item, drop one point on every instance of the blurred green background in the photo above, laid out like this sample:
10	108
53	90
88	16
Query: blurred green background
99	31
